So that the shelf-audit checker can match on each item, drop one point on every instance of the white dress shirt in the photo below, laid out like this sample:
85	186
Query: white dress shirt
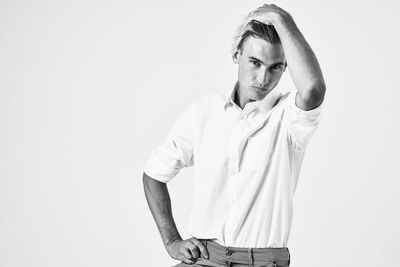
246	166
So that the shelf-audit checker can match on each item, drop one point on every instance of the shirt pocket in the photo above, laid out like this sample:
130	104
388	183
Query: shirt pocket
261	149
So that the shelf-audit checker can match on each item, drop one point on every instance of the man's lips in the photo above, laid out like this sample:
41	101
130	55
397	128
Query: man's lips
260	88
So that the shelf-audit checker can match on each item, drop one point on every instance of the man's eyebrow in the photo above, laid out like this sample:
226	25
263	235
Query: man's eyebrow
278	63
273	64
256	59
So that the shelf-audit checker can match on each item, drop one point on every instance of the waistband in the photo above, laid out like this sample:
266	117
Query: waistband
272	255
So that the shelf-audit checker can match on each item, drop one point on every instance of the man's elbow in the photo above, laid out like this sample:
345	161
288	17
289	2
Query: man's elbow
314	96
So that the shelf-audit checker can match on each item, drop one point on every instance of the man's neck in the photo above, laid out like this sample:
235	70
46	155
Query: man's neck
237	99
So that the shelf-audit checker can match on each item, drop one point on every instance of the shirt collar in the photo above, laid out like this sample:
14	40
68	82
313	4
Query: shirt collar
266	104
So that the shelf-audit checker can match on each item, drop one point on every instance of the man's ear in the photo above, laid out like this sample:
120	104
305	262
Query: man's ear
236	56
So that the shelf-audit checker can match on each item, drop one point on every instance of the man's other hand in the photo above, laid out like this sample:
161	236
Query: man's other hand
187	250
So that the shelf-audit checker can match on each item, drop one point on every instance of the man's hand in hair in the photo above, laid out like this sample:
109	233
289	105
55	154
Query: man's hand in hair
269	14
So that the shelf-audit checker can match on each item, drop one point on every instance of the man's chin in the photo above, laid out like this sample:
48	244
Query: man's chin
261	94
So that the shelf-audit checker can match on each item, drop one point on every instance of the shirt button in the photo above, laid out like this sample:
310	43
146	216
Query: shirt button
229	252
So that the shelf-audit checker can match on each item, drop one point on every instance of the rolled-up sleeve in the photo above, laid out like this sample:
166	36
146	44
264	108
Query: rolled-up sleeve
301	124
176	152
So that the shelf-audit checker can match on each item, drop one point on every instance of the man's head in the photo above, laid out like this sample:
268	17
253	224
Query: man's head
261	61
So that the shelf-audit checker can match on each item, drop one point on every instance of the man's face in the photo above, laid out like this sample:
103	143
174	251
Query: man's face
259	63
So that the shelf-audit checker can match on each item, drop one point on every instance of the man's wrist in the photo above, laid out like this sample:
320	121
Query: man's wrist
284	23
172	240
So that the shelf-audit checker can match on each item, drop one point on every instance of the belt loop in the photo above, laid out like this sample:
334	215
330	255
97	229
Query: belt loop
250	254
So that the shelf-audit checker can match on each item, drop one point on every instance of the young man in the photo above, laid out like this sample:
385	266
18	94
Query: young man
247	146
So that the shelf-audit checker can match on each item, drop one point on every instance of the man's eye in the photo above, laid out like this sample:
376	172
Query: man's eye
278	67
255	63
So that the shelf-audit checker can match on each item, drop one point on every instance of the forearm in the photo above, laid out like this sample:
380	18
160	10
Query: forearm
302	62
159	202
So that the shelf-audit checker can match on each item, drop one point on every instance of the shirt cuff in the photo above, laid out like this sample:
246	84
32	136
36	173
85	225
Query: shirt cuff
301	113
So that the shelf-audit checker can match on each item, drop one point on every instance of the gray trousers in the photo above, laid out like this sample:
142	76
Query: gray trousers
221	256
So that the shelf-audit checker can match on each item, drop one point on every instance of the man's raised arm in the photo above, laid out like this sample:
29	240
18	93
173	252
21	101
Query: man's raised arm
302	62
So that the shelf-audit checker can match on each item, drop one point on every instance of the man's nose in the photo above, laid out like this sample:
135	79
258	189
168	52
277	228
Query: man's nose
263	76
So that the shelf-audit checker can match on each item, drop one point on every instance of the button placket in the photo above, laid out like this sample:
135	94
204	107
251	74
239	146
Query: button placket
233	173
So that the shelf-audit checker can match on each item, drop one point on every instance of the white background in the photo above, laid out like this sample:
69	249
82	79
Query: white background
89	88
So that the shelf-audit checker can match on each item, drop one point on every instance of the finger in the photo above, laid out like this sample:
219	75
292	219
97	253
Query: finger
185	252
194	250
187	261
265	6
260	9
258	12
203	249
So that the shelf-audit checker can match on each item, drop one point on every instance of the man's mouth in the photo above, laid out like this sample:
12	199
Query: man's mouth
261	88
